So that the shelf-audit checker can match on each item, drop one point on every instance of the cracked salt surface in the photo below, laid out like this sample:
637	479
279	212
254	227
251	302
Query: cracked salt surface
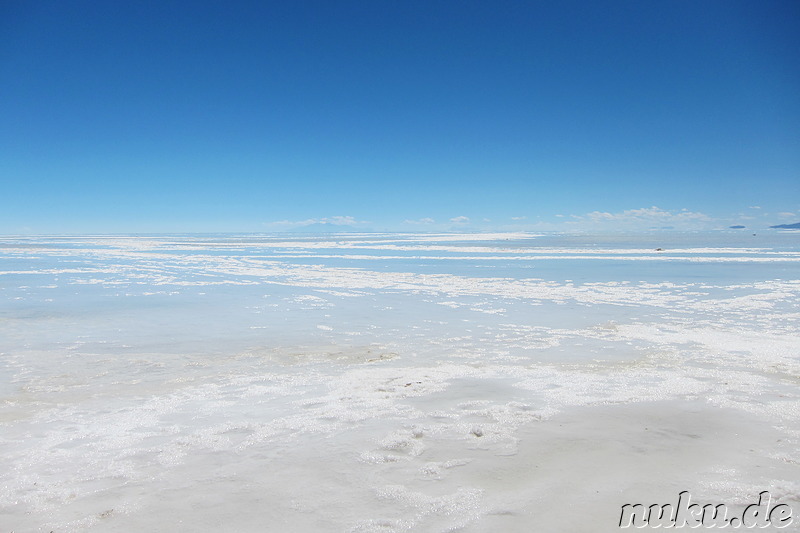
193	383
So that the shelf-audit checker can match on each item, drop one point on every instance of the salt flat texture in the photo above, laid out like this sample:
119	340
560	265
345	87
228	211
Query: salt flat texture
393	382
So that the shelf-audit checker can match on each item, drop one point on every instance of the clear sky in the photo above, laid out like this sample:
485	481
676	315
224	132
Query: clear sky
426	115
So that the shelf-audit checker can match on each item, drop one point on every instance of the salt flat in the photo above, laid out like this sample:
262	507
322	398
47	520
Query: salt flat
393	382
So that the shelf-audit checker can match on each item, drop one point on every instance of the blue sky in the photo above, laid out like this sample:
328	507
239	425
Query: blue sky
262	116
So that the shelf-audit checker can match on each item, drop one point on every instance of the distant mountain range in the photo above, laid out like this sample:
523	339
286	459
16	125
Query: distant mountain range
796	225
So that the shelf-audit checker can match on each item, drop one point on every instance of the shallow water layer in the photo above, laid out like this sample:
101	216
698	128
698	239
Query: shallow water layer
393	382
